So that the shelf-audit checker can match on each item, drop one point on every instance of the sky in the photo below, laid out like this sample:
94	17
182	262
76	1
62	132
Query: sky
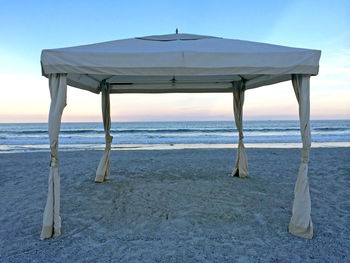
27	27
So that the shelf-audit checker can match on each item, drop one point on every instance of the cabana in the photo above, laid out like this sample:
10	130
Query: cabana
178	63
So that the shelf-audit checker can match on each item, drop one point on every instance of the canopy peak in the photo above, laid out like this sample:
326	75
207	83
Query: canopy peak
174	37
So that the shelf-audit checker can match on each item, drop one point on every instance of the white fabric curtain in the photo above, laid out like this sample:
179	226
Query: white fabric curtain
241	167
103	168
301	223
51	219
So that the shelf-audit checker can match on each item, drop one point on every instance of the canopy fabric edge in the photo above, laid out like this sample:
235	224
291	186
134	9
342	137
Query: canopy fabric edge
184	71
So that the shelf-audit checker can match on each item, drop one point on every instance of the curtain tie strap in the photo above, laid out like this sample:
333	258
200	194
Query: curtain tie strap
53	162
305	155
109	140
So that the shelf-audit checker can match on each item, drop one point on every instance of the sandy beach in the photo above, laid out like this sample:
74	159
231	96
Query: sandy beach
175	206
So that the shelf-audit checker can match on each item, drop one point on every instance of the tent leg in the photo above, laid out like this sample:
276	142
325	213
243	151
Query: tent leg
103	168
301	223
51	218
241	166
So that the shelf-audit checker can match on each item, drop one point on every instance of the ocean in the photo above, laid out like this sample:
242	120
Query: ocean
33	137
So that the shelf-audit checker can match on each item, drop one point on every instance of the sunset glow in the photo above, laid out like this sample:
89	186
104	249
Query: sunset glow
25	95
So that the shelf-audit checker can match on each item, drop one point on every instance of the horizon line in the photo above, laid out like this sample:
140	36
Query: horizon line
176	121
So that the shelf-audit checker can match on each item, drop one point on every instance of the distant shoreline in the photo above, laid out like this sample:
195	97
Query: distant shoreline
6	149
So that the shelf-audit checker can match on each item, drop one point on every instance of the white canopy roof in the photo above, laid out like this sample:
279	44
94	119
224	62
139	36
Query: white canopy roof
177	63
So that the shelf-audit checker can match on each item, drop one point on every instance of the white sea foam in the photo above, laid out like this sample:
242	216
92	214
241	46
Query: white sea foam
170	135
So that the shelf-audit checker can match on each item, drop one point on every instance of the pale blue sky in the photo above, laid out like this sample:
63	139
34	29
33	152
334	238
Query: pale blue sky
27	27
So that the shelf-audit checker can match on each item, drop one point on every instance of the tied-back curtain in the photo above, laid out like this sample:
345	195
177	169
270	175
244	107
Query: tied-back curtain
51	219
301	223
241	167
103	168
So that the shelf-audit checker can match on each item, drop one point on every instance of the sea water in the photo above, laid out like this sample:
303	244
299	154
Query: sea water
32	137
